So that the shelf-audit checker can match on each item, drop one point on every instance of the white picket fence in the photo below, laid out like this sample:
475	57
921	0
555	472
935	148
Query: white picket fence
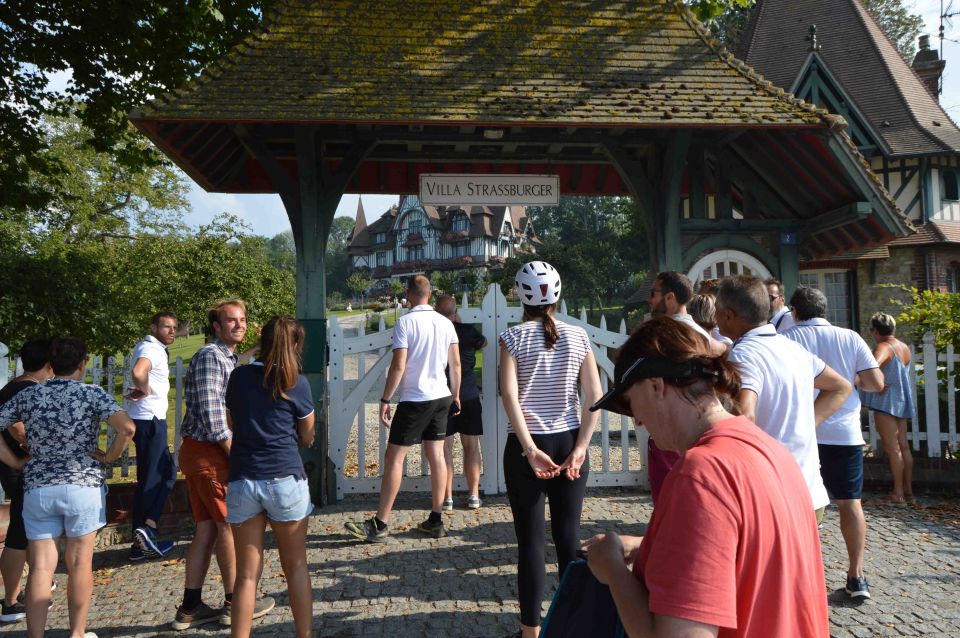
357	372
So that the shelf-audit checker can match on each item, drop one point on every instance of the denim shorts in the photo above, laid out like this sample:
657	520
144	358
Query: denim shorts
283	499
58	510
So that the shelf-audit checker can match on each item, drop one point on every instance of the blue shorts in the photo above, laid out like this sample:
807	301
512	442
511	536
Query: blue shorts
58	510
841	467
283	499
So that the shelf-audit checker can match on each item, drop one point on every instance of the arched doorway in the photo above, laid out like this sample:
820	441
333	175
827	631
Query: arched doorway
721	263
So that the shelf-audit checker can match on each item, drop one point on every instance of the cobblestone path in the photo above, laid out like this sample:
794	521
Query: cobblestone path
464	585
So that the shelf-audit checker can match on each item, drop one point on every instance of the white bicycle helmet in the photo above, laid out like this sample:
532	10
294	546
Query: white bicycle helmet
538	284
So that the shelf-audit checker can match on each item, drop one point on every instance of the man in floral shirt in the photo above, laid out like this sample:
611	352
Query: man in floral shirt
64	491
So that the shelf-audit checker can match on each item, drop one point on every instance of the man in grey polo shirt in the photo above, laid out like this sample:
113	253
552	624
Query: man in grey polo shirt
424	343
839	438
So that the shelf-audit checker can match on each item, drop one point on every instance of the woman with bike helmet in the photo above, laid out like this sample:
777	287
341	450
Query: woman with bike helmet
542	362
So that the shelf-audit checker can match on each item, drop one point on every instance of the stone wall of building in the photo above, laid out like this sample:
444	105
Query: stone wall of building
942	259
873	296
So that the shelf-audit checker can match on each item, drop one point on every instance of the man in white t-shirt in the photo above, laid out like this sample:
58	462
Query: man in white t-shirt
778	378
424	343
156	472
839	438
780	315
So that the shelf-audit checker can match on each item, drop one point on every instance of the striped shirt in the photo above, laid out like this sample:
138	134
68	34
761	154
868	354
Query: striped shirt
547	379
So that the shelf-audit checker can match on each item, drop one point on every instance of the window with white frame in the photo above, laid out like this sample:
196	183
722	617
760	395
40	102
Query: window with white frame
381	238
836	285
381	258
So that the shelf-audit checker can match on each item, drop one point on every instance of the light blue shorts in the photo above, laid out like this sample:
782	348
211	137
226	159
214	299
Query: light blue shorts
58	510
283	499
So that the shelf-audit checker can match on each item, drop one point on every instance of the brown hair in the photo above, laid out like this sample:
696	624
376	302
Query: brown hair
281	344
550	334
667	338
709	287
418	286
166	314
213	315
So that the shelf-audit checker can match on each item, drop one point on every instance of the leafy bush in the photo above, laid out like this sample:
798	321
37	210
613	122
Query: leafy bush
377	306
931	311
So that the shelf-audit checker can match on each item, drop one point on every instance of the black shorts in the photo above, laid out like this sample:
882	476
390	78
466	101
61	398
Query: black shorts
469	421
841	467
12	482
417	421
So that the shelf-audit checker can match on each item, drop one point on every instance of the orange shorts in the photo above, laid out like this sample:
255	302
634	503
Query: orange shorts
205	464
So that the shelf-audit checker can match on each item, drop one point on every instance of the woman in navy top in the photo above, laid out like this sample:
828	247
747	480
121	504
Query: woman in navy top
270	410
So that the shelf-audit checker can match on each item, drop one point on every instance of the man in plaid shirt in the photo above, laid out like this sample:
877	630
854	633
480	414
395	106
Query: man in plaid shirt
204	460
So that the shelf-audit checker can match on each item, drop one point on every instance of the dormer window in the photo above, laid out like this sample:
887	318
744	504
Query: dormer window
460	223
381	238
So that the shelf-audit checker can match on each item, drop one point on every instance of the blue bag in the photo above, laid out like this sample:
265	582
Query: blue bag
582	606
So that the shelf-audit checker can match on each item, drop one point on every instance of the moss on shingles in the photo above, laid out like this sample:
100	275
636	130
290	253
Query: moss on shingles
555	61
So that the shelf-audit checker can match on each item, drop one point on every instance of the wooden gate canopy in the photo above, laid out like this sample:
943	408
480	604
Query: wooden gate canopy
616	98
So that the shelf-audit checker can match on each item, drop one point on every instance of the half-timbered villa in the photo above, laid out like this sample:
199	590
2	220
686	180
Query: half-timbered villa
832	53
412	238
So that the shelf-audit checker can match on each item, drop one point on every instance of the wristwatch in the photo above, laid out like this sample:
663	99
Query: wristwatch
386	401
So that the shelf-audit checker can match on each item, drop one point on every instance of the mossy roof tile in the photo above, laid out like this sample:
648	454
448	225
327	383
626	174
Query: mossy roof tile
507	61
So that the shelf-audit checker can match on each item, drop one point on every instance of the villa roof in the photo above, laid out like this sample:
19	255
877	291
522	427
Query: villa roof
883	86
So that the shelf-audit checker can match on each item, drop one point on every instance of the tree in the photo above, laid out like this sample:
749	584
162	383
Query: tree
707	9
901	26
118	55
282	250
338	261
358	284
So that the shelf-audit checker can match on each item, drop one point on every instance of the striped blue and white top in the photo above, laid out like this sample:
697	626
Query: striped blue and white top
547	379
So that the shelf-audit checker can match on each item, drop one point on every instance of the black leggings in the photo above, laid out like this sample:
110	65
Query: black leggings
526	493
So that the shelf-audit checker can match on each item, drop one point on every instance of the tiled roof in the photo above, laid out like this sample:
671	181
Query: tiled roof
345	61
865	62
933	232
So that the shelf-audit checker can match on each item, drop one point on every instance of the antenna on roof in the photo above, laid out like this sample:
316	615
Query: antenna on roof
946	13
812	39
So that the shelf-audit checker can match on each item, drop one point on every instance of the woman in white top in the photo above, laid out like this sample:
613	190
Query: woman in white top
541	362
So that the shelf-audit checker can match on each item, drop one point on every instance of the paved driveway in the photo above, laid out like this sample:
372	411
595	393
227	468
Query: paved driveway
464	585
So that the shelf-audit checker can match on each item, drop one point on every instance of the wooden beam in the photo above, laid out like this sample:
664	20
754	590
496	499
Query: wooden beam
634	176
746	226
282	182
774	203
838	217
695	182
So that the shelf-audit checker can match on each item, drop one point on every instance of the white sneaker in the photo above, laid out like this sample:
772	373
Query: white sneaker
447	505
474	502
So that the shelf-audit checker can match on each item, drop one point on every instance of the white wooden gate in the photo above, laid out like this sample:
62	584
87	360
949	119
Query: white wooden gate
357	372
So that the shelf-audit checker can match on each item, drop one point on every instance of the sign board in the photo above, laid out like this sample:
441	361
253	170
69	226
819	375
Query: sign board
463	189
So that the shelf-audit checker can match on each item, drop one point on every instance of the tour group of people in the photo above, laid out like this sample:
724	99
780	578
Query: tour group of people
753	419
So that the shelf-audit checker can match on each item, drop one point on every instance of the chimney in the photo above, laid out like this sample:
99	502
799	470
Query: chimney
929	66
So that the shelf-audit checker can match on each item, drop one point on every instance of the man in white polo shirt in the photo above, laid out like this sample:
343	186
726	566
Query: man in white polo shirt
424	342
778	378
156	472
839	438
780	315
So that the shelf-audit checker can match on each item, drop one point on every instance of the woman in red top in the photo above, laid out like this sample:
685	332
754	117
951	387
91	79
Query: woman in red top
732	547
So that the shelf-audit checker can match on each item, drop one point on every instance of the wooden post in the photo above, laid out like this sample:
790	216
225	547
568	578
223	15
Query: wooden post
668	199
931	398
